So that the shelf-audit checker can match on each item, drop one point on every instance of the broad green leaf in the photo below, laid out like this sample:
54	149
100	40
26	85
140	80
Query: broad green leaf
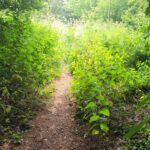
104	127
105	112
8	109
95	132
90	105
94	118
100	98
39	67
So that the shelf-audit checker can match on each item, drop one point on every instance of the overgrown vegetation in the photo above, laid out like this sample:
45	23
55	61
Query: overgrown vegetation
110	64
107	47
110	80
28	60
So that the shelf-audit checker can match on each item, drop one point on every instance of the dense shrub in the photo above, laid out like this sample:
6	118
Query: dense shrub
109	78
28	60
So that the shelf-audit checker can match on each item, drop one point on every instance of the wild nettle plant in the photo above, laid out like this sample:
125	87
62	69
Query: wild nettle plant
106	73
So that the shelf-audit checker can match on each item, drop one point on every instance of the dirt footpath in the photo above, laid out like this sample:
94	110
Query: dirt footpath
55	127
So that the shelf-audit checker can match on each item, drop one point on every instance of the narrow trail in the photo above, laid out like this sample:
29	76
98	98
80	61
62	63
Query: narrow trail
55	127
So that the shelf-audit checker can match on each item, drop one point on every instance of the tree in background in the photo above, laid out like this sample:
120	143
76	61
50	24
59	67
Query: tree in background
132	12
58	10
110	9
136	14
20	5
97	9
78	8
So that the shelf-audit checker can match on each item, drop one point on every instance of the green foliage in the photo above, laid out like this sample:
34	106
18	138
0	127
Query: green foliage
107	72
110	9
132	12
28	61
111	68
96	9
20	5
137	127
135	15
58	10
79	7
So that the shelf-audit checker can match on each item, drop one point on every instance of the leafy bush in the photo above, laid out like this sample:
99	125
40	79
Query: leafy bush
107	86
28	60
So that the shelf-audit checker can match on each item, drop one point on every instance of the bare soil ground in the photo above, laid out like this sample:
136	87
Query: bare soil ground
55	127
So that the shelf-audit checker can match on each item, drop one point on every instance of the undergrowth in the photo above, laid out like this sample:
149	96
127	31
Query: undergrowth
29	60
111	76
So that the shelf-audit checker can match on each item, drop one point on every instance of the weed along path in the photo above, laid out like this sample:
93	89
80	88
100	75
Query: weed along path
55	127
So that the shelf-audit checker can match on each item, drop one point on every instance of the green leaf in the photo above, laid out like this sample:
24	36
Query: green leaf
8	109
90	105
136	128
105	112
95	132
100	98
39	67
104	127
94	118
103	101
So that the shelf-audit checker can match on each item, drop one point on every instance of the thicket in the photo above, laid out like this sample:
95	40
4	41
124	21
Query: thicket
28	61
109	61
109	58
110	64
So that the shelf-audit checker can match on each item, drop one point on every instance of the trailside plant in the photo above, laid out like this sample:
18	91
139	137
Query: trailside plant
28	61
109	79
